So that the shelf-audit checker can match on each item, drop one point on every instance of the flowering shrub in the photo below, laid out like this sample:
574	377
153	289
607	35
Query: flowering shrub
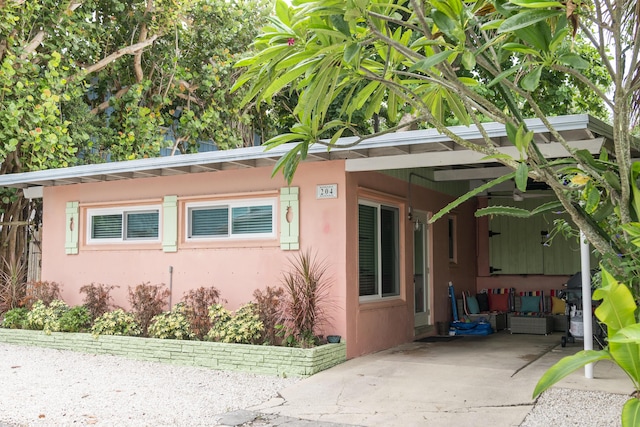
46	317
173	324
15	318
117	322
244	327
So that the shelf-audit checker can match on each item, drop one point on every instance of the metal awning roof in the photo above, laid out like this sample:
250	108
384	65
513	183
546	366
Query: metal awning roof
409	149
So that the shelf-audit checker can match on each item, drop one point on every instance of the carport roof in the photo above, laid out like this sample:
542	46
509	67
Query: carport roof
409	149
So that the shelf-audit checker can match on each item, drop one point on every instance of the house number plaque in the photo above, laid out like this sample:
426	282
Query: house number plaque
327	191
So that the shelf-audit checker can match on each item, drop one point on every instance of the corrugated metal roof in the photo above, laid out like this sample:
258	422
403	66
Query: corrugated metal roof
573	128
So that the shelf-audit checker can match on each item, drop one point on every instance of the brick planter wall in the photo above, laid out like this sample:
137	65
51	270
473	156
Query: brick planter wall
283	361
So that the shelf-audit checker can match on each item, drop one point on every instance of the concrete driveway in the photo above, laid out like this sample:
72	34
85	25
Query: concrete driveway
441	383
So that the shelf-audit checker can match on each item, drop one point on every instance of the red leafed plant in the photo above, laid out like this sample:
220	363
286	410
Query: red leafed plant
306	289
197	303
147	301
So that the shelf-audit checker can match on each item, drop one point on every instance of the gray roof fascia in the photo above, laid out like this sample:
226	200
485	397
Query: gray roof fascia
427	136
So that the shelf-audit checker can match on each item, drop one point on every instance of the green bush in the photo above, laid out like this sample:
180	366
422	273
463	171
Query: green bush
46	317
15	318
172	324
245	327
117	322
77	319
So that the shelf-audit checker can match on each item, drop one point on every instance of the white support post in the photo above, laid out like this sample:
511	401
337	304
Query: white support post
587	315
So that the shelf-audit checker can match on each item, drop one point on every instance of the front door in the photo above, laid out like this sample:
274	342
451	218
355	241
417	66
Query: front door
421	270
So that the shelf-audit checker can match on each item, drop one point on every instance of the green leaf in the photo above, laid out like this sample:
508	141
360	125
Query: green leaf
512	132
443	22
469	195
351	52
566	366
575	61
545	207
281	139
340	24
628	334
531	81
536	4
593	198
503	210
631	413
522	173
518	47
618	306
526	19
430	61
468	60
284	80
282	12
503	75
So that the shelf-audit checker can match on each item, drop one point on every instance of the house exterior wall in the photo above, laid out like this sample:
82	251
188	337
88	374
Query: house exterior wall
236	268
375	325
328	227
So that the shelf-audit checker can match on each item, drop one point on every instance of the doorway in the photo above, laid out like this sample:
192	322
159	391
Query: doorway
421	272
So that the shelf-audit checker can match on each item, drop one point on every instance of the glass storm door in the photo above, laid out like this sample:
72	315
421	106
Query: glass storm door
421	270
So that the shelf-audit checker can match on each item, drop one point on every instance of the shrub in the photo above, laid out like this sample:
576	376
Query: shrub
116	322
244	327
76	319
146	302
41	291
46	317
268	304
306	294
172	324
15	318
97	299
197	303
12	284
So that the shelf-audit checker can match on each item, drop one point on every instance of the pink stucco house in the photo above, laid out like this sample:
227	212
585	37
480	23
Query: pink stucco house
219	218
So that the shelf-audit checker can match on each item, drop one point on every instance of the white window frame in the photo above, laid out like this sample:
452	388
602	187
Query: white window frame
379	296
231	204
123	210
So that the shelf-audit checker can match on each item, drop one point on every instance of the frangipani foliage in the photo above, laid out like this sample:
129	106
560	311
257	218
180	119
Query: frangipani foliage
618	312
444	62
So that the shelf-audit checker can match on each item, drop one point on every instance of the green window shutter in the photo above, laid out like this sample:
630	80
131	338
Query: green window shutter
72	226
170	224
289	218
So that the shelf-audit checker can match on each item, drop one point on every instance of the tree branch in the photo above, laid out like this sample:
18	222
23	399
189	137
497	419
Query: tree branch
39	37
129	50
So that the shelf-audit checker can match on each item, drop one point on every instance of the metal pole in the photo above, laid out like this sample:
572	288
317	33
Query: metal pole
170	285
587	315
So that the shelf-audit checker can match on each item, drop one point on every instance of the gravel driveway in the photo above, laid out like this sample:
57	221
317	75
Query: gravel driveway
46	387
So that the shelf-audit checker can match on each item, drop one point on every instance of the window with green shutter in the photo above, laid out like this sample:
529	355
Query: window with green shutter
378	250
123	224
242	219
